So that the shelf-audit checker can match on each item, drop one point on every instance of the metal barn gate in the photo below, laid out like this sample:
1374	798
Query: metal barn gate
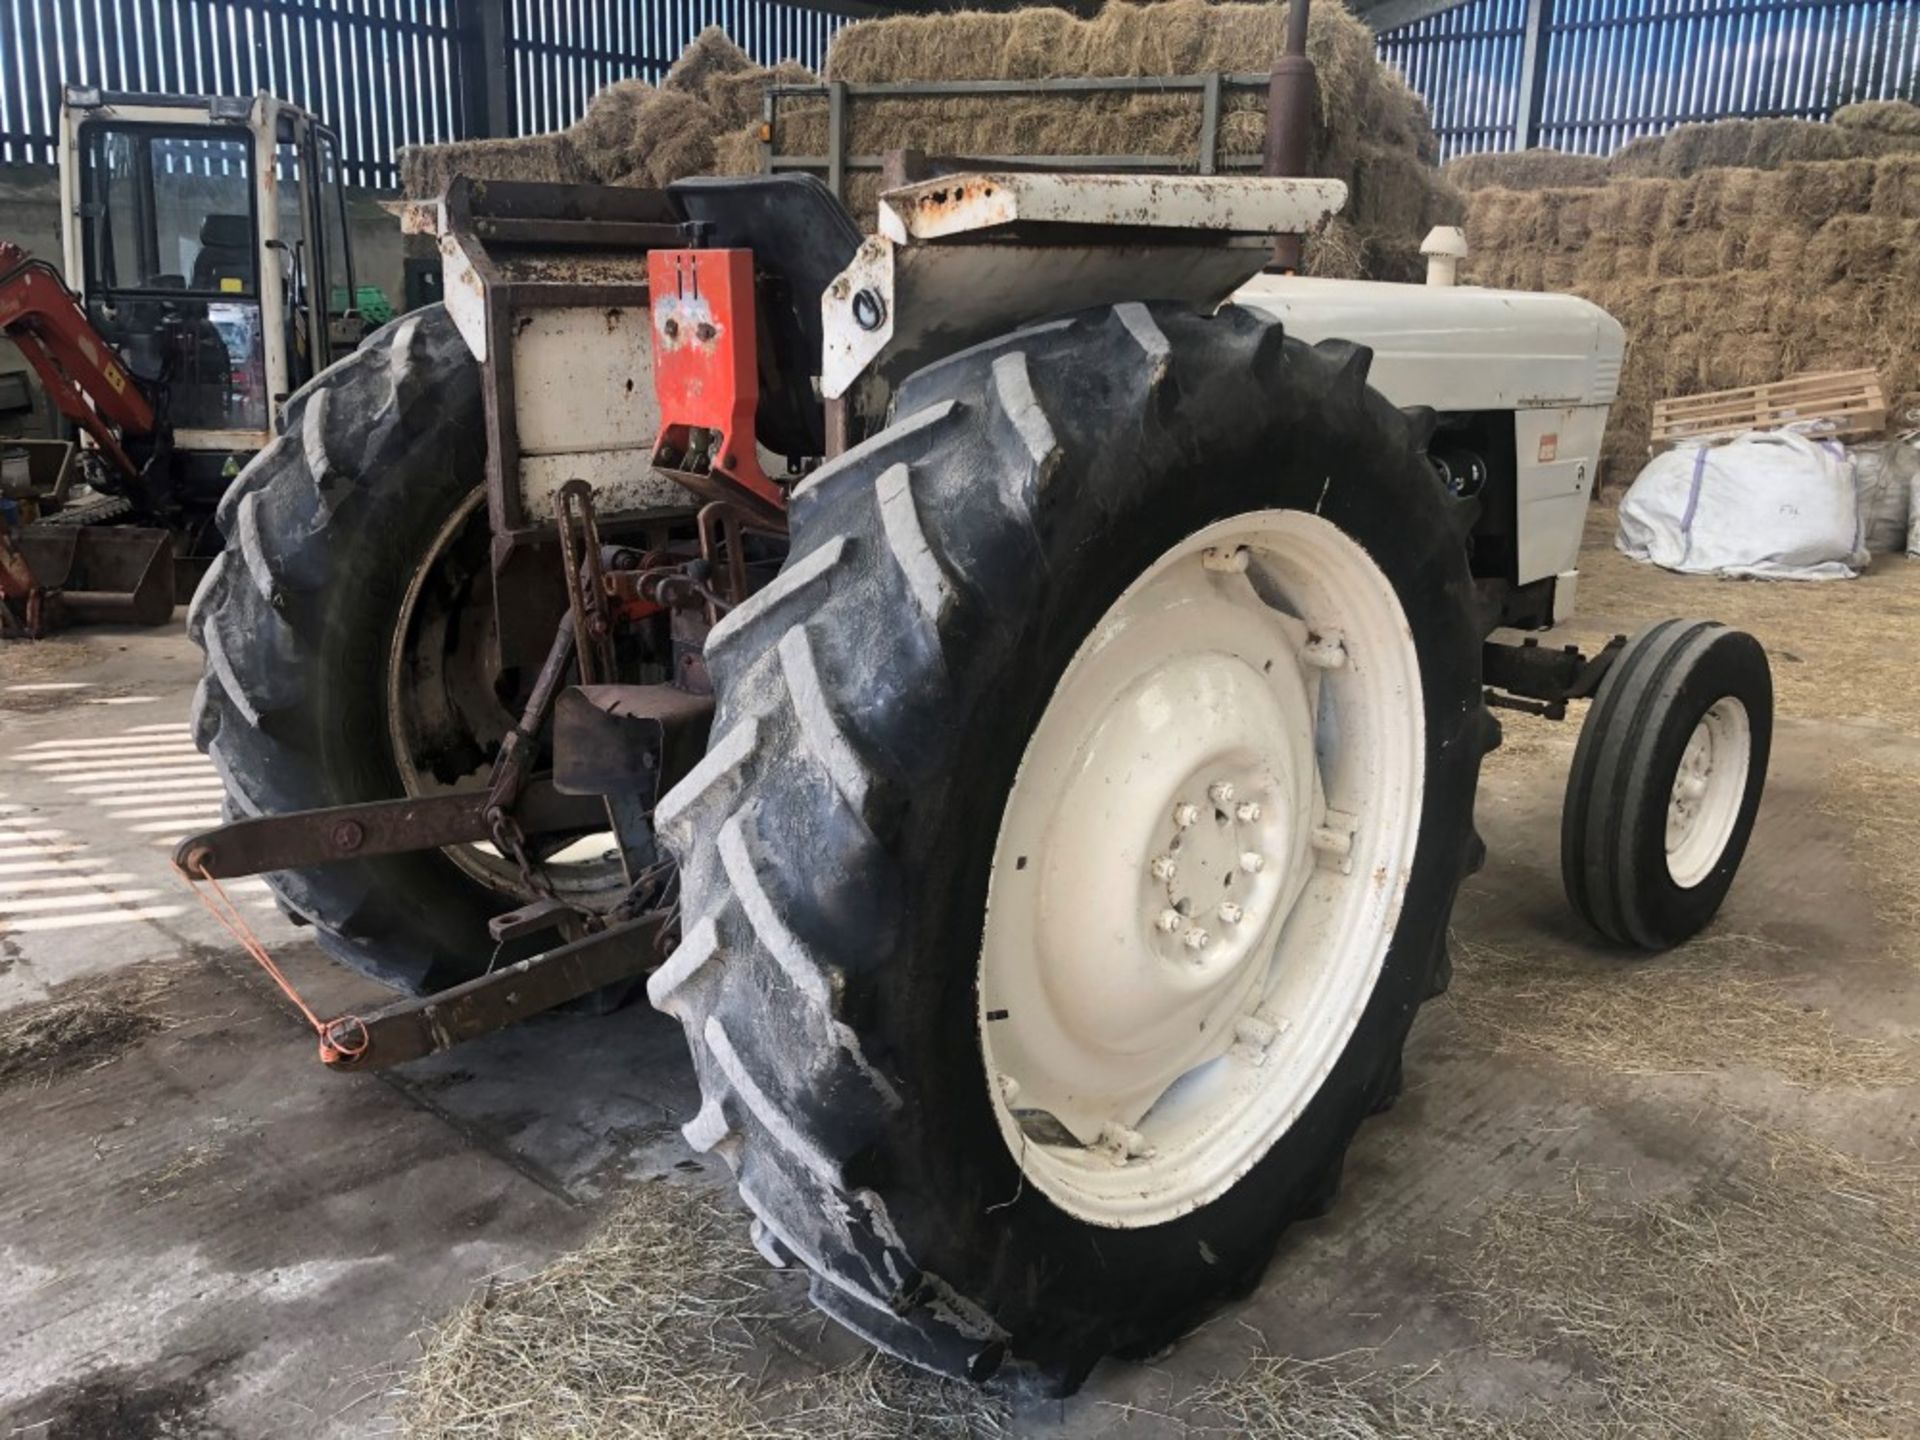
385	73
1589	75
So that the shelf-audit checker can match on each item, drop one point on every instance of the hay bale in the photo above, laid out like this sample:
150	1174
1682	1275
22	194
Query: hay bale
1896	188
603	137
426	169
740	98
673	136
633	134
738	152
1768	144
1526	170
711	57
1753	144
1636	158
1894	117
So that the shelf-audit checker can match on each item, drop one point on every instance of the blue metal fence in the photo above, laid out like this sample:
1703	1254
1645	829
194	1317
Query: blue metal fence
1606	71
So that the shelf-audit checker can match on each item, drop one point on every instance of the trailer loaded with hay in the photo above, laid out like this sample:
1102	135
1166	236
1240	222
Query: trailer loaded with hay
1013	684
1188	92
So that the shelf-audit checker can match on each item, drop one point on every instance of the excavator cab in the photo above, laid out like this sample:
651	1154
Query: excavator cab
208	275
208	241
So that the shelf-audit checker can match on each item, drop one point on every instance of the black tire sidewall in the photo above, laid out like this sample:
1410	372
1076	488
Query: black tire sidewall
358	622
1053	1279
380	450
1658	912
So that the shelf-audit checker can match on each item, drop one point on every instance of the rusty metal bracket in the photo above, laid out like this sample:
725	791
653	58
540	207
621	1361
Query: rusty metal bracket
626	743
623	739
582	560
384	827
427	1024
1534	680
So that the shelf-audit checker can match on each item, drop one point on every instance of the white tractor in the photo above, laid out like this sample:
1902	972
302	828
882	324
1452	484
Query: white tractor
1015	685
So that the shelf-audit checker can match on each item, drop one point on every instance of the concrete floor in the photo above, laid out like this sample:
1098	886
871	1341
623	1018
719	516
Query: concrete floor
204	1233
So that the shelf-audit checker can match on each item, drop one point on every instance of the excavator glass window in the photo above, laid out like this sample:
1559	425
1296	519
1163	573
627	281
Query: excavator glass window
333	223
170	246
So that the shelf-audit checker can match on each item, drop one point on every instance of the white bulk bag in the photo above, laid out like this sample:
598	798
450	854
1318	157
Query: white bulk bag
1774	505
1913	520
1884	472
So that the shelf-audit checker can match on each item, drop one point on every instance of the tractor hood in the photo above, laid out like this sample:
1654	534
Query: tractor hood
1457	347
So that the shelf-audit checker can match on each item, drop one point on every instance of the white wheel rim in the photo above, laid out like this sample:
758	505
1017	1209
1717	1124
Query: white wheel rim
1704	802
1254	696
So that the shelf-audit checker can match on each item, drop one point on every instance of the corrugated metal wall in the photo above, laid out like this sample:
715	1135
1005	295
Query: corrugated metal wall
1466	63
382	71
385	73
1611	70
562	51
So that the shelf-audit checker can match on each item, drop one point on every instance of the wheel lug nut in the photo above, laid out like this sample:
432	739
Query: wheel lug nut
1185	815
1247	812
1253	862
1220	792
1196	939
1164	867
1169	921
1231	913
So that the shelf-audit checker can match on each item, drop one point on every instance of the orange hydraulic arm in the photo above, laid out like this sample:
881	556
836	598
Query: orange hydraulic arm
87	383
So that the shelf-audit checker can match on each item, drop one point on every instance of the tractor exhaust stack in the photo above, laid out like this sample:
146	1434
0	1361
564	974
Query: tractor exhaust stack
1290	99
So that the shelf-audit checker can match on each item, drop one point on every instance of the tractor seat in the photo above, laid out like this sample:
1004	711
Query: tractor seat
226	253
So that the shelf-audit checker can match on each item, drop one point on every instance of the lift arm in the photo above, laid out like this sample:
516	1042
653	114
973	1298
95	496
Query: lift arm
85	380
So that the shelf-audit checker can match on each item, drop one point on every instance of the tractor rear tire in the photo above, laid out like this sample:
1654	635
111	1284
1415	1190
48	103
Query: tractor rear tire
323	530
1666	781
838	844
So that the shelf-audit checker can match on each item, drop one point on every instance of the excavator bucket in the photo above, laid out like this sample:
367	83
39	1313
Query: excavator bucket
92	575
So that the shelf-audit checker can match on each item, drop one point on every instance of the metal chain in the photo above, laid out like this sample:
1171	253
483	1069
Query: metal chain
511	841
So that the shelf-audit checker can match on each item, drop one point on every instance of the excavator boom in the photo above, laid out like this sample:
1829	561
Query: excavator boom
55	574
85	381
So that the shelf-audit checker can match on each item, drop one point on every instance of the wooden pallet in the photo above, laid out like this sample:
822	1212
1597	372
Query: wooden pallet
1852	401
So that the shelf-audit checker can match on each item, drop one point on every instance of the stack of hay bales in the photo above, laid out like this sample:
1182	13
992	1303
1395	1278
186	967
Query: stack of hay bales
1371	130
632	133
1725	275
1526	170
1879	127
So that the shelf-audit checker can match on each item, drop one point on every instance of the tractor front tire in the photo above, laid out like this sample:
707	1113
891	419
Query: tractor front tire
1137	497
324	530
1666	782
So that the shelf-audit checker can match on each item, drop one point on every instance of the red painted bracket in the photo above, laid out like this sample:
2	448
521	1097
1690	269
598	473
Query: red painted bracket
705	373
